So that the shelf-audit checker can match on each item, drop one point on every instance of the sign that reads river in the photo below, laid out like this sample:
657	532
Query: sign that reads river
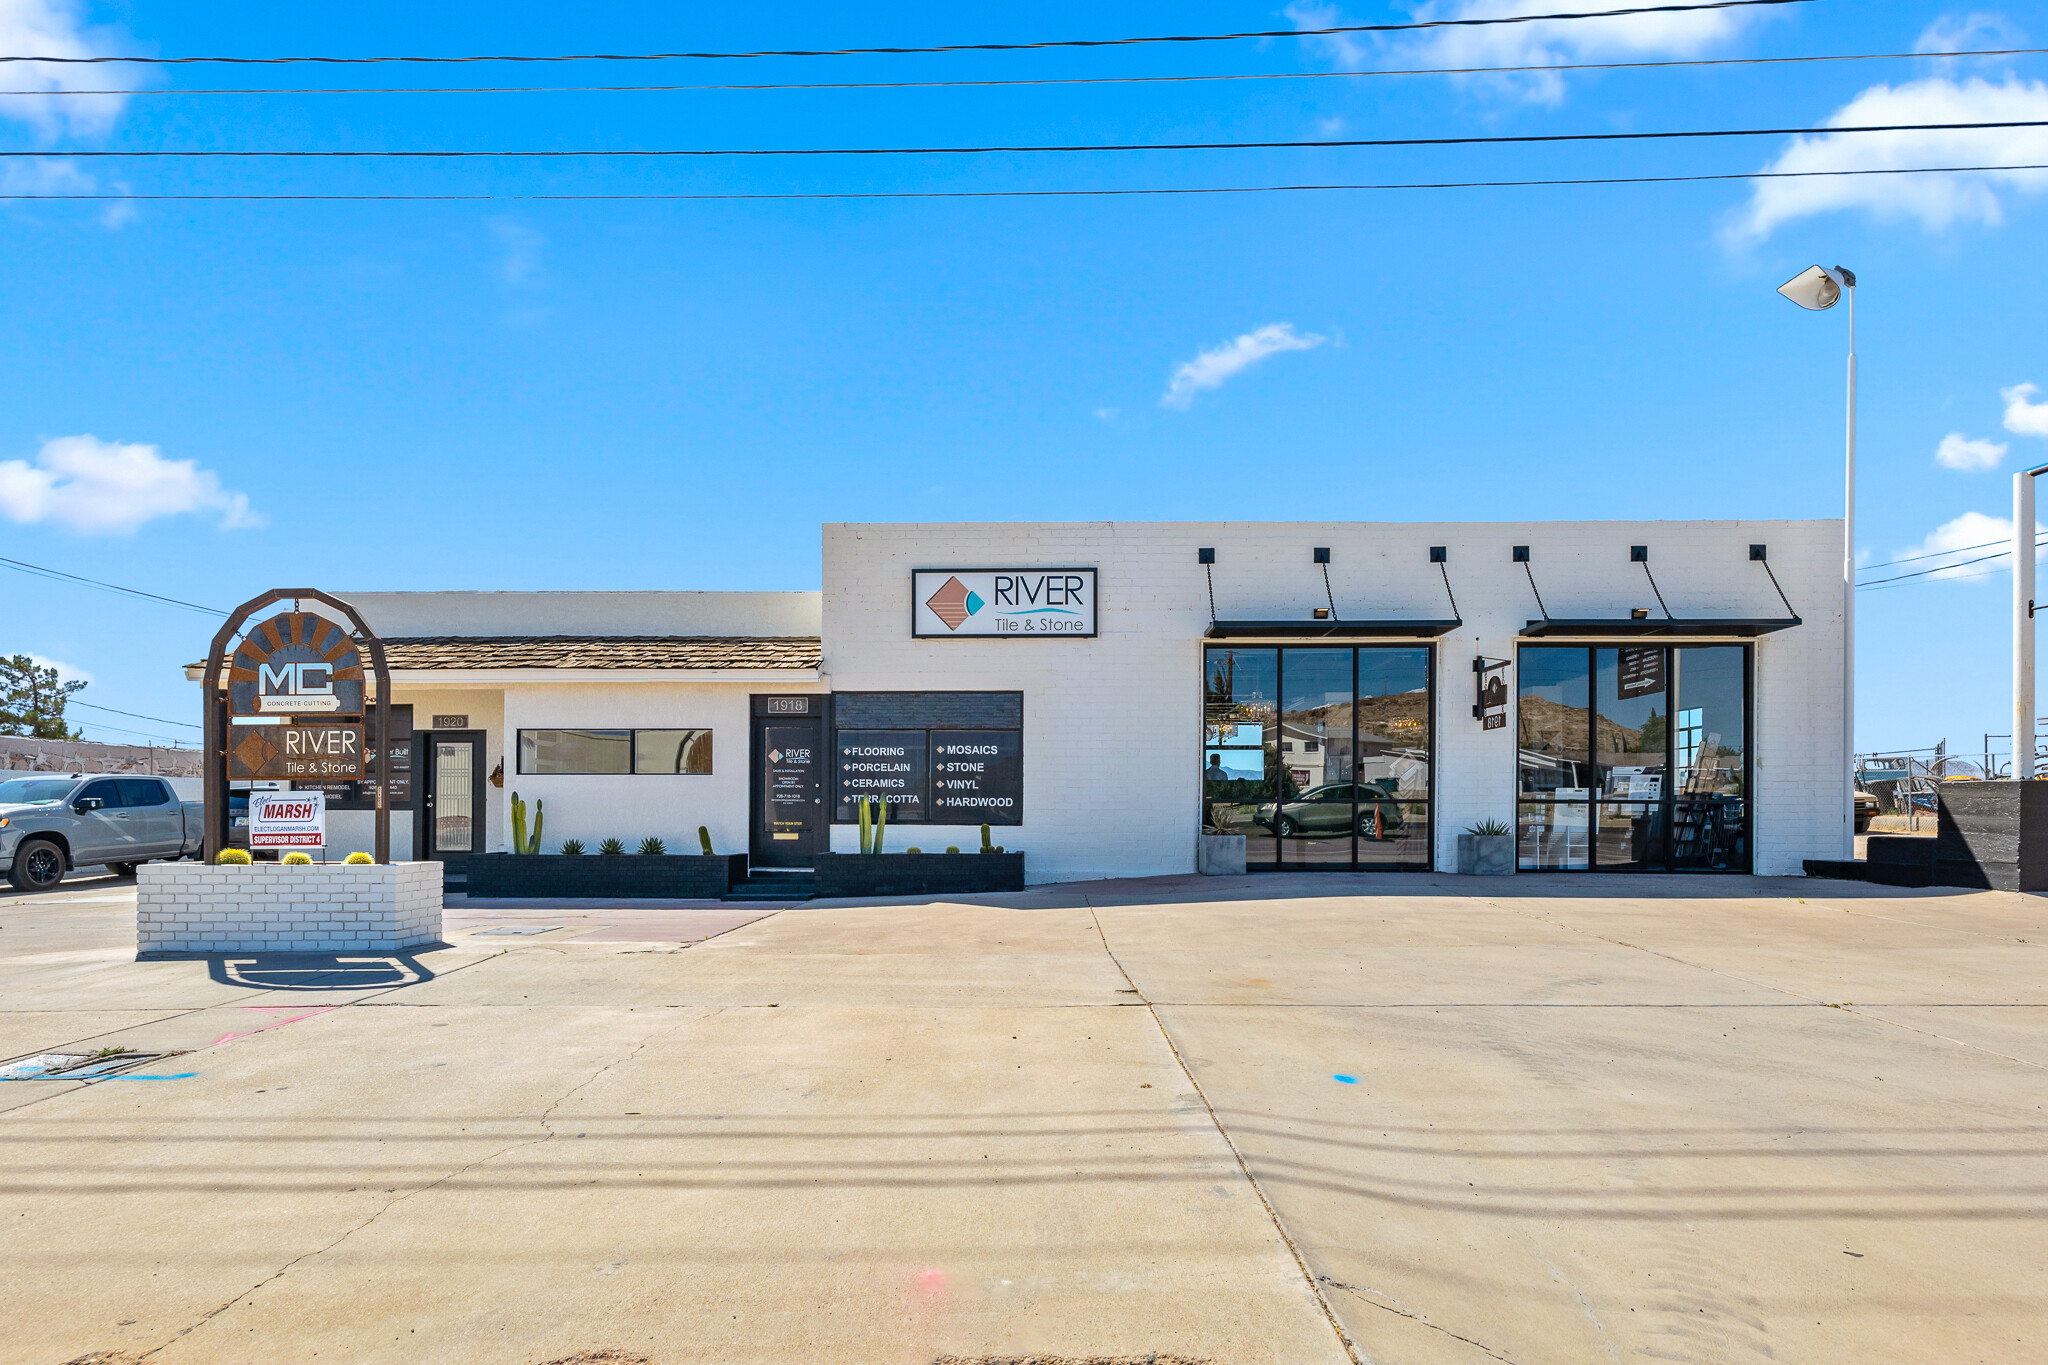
977	777
885	763
310	753
1019	604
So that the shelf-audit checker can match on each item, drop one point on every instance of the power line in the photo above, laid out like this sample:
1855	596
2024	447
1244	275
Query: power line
41	572
1311	144
161	741
137	715
1044	80
906	51
1023	194
1934	554
1942	568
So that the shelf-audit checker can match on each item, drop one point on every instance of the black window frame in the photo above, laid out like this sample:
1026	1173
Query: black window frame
632	734
1280	862
1668	802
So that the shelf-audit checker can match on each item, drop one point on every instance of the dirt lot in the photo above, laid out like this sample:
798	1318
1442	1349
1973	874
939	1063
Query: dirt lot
1278	1119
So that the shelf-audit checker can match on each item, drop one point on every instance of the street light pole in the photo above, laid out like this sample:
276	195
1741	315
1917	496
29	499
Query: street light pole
2023	622
1818	288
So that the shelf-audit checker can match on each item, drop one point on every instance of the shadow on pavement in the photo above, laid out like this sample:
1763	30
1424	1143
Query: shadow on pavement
317	971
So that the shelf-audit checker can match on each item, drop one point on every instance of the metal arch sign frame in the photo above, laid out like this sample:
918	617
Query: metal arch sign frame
216	738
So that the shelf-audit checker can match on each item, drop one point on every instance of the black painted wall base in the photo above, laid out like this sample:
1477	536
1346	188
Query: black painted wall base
1988	836
917	874
626	876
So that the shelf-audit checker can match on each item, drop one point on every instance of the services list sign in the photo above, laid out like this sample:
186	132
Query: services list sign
889	765
977	777
1015	604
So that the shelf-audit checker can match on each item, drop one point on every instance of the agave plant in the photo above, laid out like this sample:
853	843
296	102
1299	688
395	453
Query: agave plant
572	847
651	847
611	846
1488	829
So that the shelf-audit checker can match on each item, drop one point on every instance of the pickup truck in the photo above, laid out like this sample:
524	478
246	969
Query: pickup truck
51	824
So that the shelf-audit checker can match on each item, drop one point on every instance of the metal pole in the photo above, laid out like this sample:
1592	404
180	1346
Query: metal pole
2023	625
1849	608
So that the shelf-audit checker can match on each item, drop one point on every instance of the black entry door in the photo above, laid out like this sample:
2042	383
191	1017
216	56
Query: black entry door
451	814
789	792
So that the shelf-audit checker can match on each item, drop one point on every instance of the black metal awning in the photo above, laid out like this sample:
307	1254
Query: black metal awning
1744	627
1329	630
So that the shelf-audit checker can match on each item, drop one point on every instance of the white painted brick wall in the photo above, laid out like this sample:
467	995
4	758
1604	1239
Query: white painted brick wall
1112	742
270	907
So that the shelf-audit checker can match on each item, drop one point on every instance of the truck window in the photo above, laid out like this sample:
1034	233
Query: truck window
109	793
35	791
143	791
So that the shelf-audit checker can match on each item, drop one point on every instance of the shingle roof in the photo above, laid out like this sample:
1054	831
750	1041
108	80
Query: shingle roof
600	651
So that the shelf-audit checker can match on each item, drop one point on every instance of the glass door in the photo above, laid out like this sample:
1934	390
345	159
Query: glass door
453	819
1633	758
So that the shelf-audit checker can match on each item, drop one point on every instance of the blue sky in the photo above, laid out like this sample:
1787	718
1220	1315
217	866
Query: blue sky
203	399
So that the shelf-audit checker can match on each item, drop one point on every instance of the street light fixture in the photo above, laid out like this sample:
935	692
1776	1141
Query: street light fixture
1817	289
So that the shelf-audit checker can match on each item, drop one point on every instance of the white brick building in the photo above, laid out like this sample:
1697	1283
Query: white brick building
1693	721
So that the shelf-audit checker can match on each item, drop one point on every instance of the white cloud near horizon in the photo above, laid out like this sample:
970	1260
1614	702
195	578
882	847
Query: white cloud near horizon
1628	38
1211	368
1974	31
65	672
1971	529
1957	451
108	487
2023	417
55	28
1935	201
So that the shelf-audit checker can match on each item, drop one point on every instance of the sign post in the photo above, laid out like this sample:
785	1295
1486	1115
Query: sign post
293	708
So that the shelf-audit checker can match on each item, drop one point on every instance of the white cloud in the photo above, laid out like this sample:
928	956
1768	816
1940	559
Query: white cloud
65	672
1959	452
1974	31
1937	201
1627	38
519	248
2021	416
90	485
56	28
1212	367
1973	531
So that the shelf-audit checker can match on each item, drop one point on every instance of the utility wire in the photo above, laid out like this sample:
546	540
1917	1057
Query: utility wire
1021	194
1941	568
161	720
1044	80
1314	144
41	572
160	741
1934	554
905	51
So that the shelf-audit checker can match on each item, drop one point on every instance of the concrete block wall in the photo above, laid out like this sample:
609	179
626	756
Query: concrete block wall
1112	726
273	908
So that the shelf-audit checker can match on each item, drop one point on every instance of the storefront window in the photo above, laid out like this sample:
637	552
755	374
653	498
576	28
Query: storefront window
1553	820
604	752
1241	745
1319	756
1650	775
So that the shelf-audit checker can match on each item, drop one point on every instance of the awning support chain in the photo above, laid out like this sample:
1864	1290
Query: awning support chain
1660	594
1758	553
1445	571
1210	570
1522	558
1327	594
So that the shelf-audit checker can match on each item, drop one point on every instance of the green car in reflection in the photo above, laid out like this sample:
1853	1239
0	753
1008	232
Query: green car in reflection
1325	812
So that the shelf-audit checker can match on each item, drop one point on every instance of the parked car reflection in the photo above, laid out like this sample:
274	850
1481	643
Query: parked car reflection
1326	812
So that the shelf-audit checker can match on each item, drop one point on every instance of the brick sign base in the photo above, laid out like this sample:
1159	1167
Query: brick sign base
191	908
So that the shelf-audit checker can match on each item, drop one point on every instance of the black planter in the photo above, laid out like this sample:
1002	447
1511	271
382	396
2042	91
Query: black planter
631	876
917	874
1992	834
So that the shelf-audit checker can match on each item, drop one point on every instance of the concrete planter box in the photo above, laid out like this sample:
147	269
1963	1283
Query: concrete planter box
271	908
1219	855
1486	855
623	876
917	874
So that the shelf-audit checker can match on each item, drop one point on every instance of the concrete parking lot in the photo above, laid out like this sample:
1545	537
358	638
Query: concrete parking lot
1278	1119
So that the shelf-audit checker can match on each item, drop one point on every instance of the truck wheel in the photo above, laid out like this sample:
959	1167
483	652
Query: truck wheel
121	869
38	866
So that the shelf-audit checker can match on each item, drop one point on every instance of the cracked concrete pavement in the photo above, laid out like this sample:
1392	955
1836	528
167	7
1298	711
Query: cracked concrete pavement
1272	1119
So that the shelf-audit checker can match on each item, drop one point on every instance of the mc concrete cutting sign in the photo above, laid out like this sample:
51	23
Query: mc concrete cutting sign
1015	604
